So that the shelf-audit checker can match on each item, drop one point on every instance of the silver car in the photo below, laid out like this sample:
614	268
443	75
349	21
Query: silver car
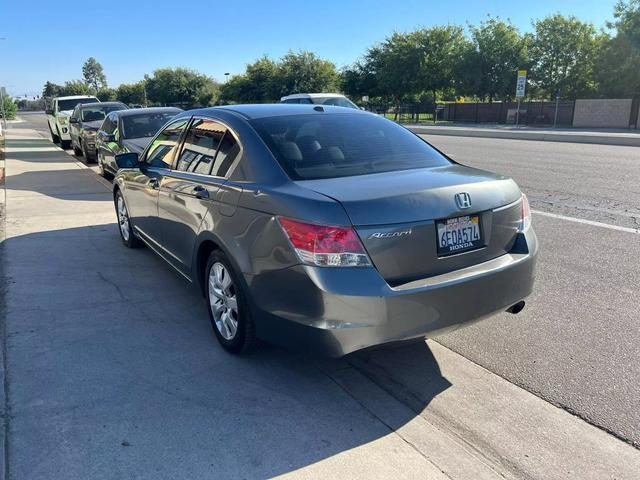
323	228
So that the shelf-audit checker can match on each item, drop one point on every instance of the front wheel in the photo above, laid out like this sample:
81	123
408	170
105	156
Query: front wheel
77	151
124	223
228	307
54	138
85	153
103	171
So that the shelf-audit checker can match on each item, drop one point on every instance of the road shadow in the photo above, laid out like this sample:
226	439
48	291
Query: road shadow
114	371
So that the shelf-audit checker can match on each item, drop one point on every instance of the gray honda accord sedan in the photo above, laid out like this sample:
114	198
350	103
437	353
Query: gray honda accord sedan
324	228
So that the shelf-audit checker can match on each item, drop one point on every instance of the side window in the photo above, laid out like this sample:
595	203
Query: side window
227	154
109	125
292	100
200	146
163	147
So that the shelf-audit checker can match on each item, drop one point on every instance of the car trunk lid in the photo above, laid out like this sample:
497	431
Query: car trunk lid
396	213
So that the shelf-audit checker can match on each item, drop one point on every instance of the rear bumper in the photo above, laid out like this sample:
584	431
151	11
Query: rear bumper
335	311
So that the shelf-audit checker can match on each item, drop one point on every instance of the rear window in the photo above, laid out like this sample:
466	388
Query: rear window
323	145
144	124
64	105
99	111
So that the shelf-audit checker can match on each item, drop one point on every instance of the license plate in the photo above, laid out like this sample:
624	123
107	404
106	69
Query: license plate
459	234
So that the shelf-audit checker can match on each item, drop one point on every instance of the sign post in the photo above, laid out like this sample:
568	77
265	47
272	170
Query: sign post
555	116
521	84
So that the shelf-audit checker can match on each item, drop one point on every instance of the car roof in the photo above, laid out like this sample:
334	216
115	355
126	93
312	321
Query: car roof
102	104
76	97
263	110
141	111
313	95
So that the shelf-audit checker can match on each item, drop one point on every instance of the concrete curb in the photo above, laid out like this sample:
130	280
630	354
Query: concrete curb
623	139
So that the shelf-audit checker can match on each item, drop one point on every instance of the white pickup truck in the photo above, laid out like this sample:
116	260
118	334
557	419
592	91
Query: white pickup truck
58	117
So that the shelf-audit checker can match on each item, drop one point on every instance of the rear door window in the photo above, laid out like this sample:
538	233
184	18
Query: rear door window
228	152
200	146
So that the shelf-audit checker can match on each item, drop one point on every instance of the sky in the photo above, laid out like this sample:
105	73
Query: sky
50	41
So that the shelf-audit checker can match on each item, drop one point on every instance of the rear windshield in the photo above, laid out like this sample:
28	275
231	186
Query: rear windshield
337	101
99	111
71	104
325	145
145	124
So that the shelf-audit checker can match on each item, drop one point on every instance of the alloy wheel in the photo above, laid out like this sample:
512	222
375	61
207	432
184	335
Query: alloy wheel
223	301
123	219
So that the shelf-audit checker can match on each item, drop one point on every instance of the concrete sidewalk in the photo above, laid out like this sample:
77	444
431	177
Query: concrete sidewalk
511	132
113	372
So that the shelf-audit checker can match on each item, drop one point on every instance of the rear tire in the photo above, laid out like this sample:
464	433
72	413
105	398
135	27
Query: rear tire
124	223
228	307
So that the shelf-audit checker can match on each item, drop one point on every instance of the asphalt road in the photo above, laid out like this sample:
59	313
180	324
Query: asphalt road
576	343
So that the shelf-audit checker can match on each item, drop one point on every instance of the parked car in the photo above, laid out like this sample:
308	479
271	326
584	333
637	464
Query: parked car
58	117
335	99
85	121
325	228
128	131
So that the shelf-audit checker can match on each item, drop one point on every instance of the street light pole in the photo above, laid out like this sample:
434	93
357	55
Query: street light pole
226	75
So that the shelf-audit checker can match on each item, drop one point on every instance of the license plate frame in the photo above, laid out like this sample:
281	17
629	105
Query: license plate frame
467	228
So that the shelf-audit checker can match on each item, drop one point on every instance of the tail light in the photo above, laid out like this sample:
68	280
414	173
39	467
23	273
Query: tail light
323	245
525	214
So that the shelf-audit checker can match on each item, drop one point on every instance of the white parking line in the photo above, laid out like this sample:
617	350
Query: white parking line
587	222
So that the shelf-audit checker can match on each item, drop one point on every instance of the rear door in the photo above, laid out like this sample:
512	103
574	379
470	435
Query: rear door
105	148
142	189
193	186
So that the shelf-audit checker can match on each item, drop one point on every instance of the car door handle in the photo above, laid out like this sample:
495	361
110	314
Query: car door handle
153	183
200	192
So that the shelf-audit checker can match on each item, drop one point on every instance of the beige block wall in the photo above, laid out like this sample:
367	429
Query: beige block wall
602	113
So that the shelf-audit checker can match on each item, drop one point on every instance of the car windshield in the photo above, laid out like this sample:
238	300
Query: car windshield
328	145
98	112
337	101
71	104
145	124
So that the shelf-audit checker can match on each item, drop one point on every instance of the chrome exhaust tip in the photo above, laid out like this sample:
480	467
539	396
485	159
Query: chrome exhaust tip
516	308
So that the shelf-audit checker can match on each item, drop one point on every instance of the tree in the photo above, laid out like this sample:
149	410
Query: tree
490	67
267	80
563	53
257	85
444	50
304	72
51	90
94	75
107	94
132	93
619	59
9	107
358	80
181	86
75	87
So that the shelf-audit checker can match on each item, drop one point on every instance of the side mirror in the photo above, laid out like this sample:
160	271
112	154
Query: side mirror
109	138
73	120
127	160
49	111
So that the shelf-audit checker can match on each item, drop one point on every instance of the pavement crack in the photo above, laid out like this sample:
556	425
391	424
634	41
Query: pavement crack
113	284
